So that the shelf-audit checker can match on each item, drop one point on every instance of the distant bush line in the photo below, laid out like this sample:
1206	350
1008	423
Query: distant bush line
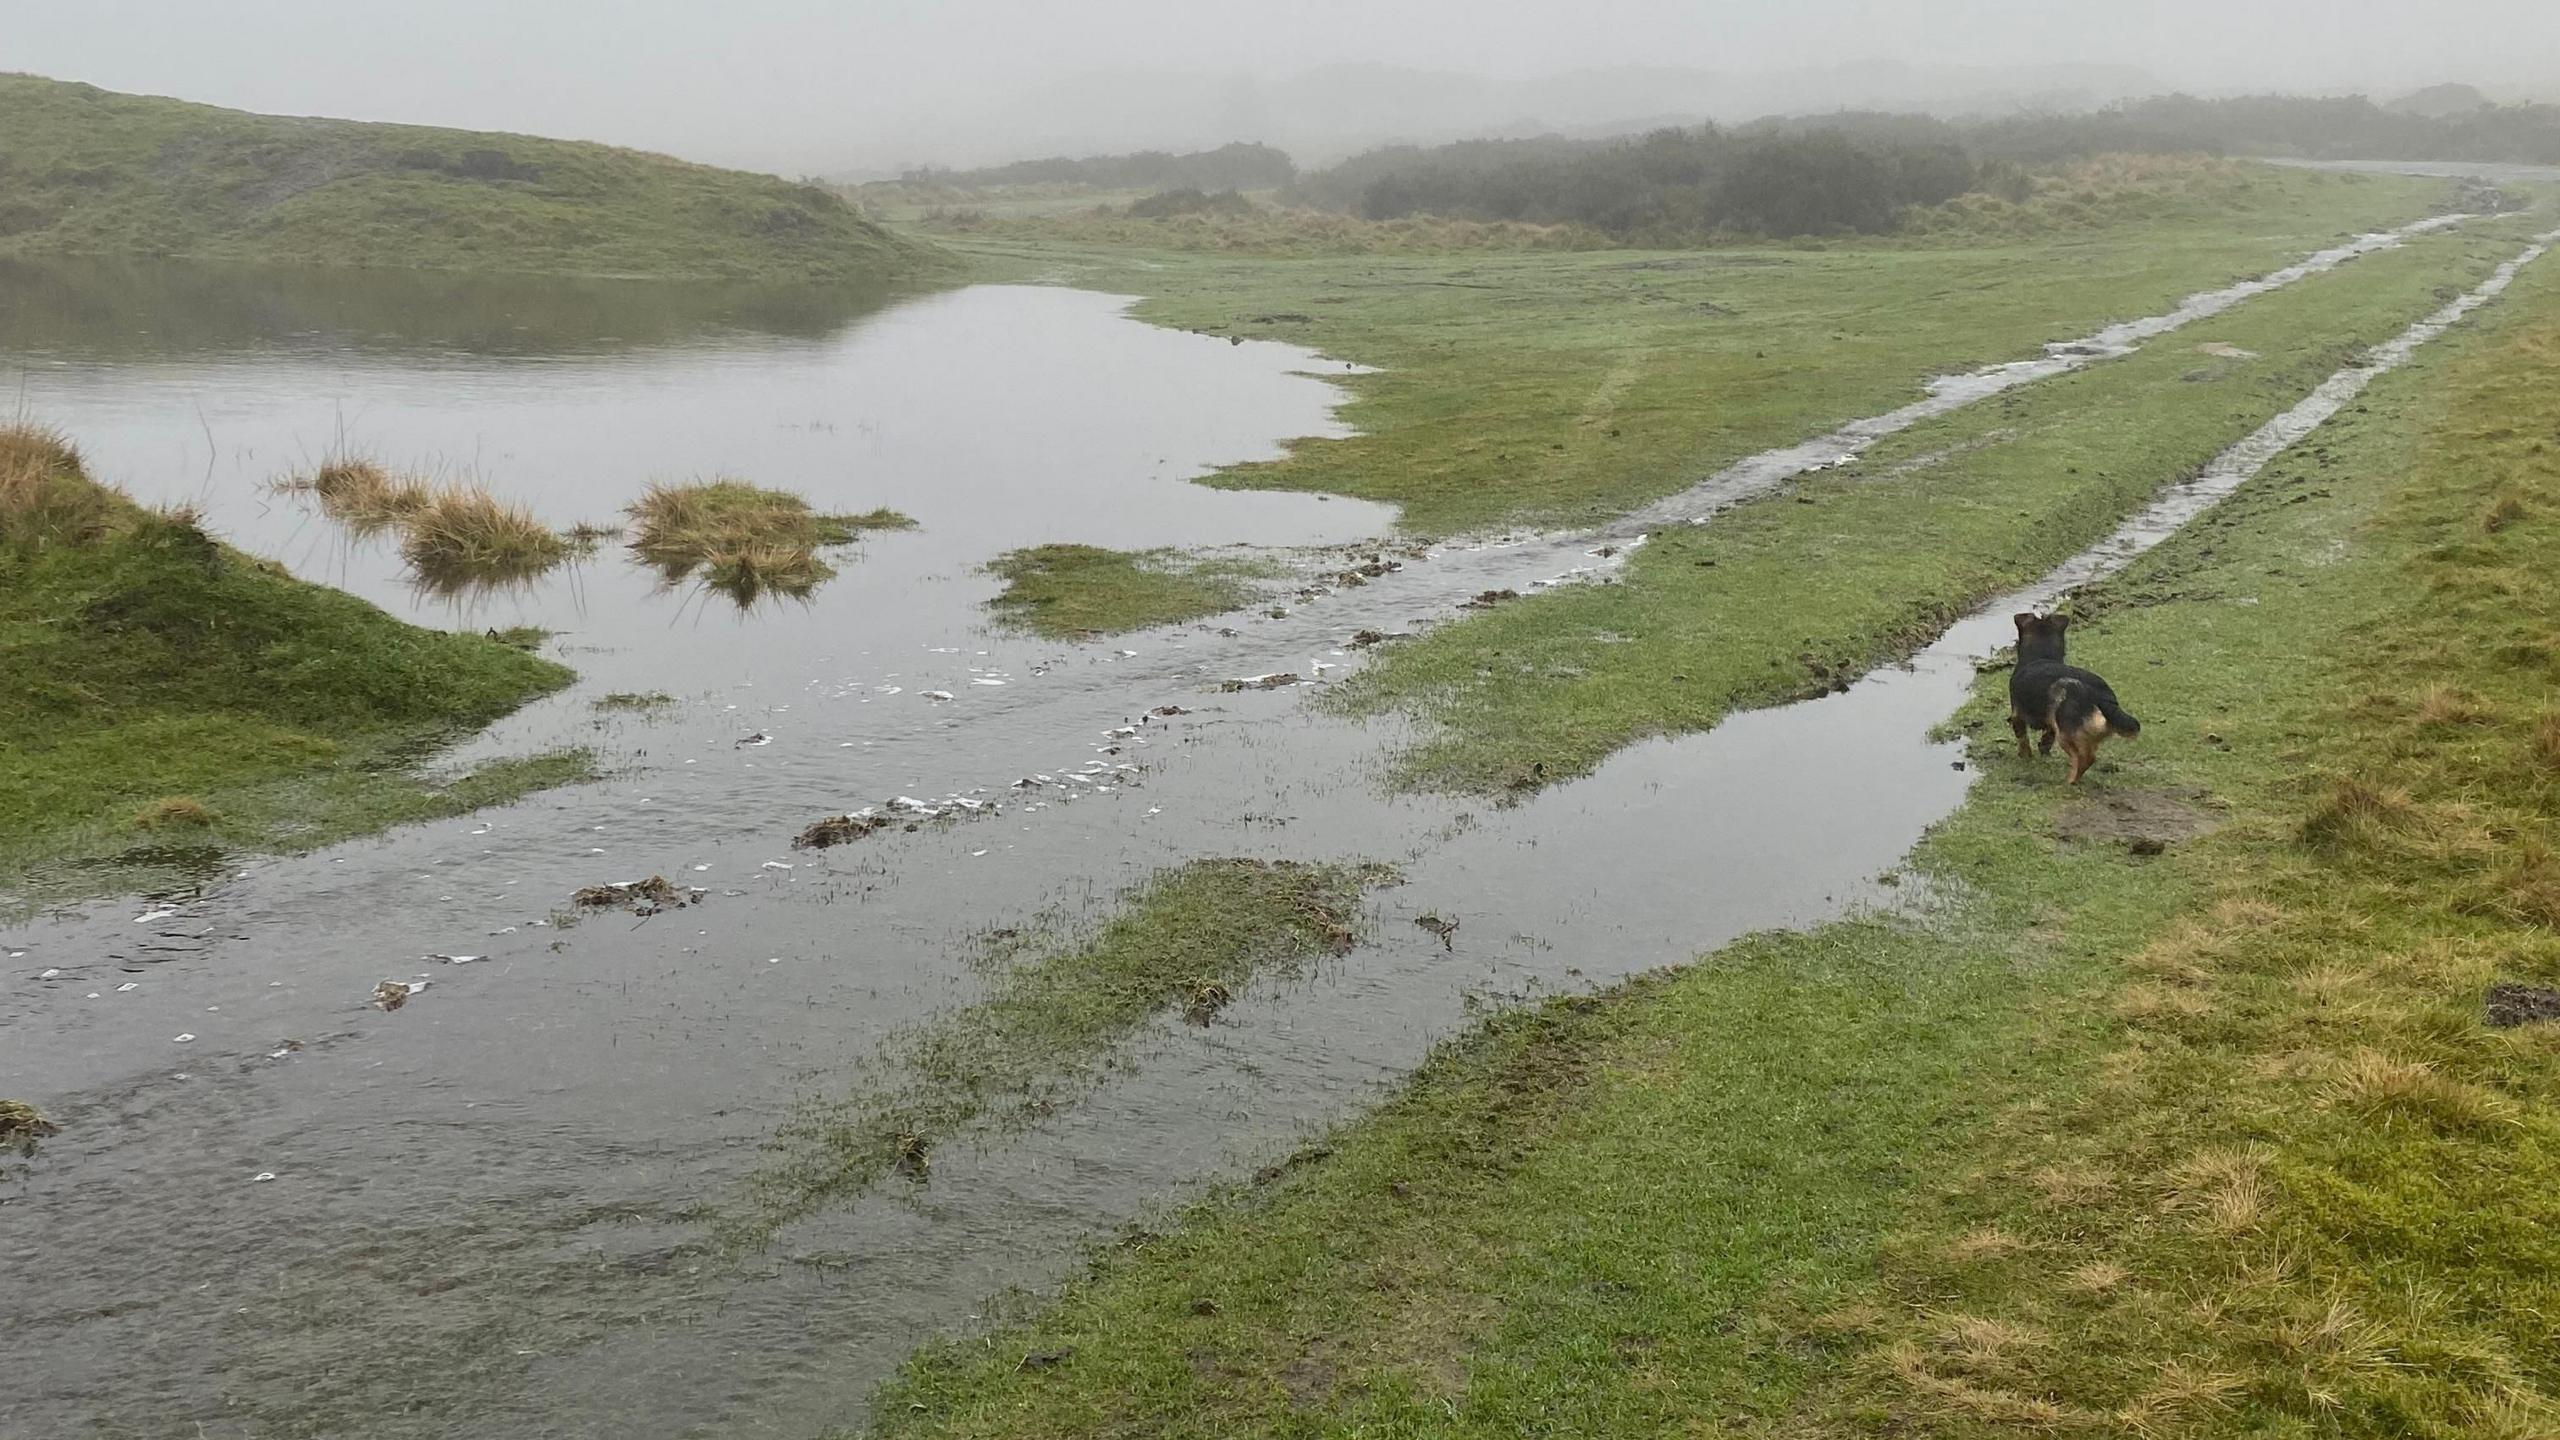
1237	166
1860	173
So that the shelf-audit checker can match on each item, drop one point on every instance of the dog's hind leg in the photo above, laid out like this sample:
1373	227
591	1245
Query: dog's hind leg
2082	747
2044	738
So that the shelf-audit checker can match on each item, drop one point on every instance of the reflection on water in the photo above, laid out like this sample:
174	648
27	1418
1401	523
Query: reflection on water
159	310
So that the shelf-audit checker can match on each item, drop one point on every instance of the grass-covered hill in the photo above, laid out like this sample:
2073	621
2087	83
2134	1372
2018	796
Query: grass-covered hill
164	688
90	171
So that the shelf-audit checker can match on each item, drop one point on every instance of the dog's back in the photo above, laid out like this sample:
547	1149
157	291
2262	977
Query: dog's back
2059	699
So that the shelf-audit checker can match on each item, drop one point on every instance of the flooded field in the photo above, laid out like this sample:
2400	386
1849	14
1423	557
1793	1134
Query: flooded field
277	1209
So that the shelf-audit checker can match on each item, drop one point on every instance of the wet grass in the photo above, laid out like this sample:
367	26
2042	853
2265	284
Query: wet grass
1931	522
1067	592
2214	1142
1566	388
149	661
744	540
1056	1003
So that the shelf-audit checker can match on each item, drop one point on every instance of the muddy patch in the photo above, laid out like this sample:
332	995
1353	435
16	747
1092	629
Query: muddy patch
2143	821
641	897
2511	1005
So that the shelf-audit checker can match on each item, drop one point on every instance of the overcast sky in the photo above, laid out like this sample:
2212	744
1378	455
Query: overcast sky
810	84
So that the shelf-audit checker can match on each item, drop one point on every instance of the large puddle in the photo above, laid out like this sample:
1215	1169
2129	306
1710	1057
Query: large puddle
476	1215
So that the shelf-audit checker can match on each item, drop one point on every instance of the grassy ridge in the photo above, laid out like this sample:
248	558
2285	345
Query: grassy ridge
89	171
1934	520
149	663
2212	1143
1567	388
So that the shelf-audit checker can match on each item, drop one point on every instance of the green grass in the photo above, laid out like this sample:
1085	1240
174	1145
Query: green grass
150	663
2210	1143
1931	522
1056	1004
1568	388
88	171
1069	592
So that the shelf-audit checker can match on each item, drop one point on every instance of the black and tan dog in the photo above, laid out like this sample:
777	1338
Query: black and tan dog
2064	702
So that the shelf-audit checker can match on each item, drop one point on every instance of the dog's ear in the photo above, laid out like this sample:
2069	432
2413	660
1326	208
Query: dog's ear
2059	623
2026	621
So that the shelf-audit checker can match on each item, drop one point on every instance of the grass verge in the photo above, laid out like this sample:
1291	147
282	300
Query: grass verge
154	669
1932	521
1183	943
1069	592
2217	1142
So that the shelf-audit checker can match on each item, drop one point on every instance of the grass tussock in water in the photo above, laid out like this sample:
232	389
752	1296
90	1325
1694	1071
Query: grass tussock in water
1068	592
147	660
2256	1136
742	539
1055	1007
363	495
463	537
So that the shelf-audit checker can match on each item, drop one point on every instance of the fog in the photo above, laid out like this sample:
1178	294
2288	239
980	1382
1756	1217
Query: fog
827	86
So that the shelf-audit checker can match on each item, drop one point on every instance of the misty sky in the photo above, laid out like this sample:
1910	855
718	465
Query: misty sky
802	85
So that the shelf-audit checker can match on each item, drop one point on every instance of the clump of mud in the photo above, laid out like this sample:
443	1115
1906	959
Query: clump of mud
1280	680
1203	999
1489	599
640	897
2145	821
21	1126
1446	927
2511	1004
840	830
390	995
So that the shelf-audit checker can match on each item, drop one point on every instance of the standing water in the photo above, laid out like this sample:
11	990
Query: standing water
480	1215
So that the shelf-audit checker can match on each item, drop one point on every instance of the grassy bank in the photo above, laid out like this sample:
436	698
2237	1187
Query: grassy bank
2215	1142
1070	592
170	697
92	172
1057	1002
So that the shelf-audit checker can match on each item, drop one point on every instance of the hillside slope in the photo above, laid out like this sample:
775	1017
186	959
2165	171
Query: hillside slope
90	171
165	689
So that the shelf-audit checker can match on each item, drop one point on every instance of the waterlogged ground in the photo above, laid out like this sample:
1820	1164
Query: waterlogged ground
277	1210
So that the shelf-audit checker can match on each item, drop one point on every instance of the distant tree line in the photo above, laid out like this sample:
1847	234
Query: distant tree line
1855	172
1238	166
2350	128
1664	185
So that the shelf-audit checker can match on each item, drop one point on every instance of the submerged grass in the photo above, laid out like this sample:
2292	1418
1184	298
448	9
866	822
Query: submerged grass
1182	943
1067	592
2216	1142
148	661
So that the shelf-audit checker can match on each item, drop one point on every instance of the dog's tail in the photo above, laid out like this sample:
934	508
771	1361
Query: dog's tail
2119	720
2080	706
